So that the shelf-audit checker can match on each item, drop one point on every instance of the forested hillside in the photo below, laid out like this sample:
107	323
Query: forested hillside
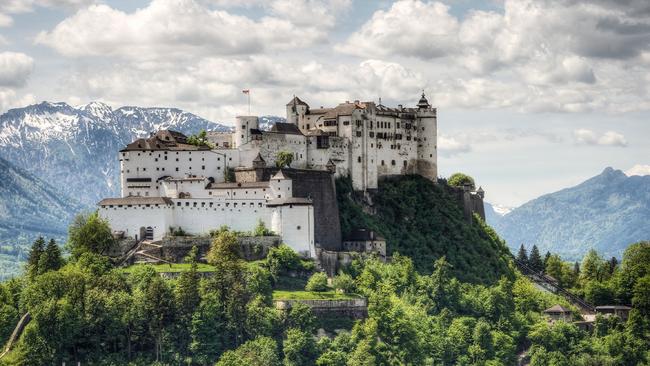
424	221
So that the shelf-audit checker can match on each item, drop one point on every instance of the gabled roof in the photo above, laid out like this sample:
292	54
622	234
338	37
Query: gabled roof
286	128
297	101
259	159
557	309
343	109
163	140
279	175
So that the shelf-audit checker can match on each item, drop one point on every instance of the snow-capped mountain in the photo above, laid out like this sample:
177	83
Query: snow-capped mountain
267	122
74	149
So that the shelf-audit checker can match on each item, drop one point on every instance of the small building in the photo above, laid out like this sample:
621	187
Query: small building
365	241
558	312
620	311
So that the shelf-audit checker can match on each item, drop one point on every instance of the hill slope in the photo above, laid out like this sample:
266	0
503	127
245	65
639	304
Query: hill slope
422	220
607	212
29	207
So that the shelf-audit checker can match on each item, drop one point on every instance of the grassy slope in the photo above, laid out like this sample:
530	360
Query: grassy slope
422	220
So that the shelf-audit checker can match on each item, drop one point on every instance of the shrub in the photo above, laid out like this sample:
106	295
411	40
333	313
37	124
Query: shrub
460	179
282	259
317	282
344	283
261	229
284	159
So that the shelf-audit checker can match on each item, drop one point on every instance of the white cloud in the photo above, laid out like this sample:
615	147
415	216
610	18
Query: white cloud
638	169
588	137
181	28
450	146
10	99
15	68
409	27
5	20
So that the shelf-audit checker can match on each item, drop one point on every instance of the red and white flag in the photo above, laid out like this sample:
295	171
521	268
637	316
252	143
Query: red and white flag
246	91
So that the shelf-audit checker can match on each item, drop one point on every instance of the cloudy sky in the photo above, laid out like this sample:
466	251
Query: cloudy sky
532	95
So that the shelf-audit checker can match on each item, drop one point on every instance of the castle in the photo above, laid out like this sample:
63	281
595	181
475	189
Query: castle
168	183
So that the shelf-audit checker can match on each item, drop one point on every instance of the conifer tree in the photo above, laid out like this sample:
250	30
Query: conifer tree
37	249
535	259
522	256
613	263
51	259
187	299
546	258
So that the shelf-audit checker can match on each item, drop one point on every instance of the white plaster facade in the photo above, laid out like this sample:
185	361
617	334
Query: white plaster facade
166	182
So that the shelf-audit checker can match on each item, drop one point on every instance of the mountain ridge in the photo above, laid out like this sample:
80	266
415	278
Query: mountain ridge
606	212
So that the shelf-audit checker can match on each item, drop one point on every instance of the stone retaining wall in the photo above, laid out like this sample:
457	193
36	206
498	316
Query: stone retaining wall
175	248
354	308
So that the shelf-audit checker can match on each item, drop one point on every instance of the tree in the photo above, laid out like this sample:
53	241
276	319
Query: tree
460	180
89	233
546	257
522	255
344	283
199	139
535	259
51	259
641	296
284	159
592	266
224	251
158	305
282	259
34	256
187	299
261	351
299	348
317	282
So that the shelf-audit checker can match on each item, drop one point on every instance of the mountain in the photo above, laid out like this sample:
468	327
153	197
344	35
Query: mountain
75	149
607	212
29	207
494	213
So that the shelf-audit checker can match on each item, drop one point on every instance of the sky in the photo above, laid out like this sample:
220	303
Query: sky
533	95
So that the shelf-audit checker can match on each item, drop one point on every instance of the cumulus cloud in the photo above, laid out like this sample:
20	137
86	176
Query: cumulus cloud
15	68
589	137
182	28
449	146
638	169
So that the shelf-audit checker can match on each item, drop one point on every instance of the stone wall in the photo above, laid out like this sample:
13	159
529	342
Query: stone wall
354	308
175	248
315	184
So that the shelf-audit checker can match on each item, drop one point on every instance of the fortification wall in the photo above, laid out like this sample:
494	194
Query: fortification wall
317	185
175	248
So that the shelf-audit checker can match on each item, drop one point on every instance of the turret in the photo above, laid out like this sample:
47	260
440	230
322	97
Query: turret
427	132
296	110
243	126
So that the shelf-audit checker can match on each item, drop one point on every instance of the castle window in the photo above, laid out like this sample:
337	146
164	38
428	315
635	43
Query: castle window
210	204
156	159
165	157
176	159
358	133
430	155
187	204
404	163
392	162
178	204
382	163
346	123
203	167
194	204
202	204
176	168
359	159
190	159
298	227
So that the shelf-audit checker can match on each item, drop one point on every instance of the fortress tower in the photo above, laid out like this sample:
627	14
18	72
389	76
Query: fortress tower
427	155
243	126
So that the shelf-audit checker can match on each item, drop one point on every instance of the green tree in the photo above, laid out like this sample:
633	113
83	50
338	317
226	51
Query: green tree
283	159
546	258
317	282
159	307
299	348
89	233
51	259
461	180
344	282
641	296
282	259
34	256
187	299
261	351
522	255
592	266
535	259
199	139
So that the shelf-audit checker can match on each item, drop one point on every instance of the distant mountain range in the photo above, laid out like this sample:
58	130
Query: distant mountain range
607	212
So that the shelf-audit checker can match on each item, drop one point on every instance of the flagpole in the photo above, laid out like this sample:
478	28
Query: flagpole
249	102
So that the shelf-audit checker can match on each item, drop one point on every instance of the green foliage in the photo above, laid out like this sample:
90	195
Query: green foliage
460	180
35	252
317	282
423	221
535	260
522	255
50	259
282	260
177	231
200	139
261	351
283	159
299	348
261	229
89	233
344	283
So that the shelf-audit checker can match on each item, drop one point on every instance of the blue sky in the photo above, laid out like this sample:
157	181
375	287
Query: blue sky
532	95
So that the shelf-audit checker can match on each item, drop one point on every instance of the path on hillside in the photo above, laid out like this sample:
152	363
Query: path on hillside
551	285
18	331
